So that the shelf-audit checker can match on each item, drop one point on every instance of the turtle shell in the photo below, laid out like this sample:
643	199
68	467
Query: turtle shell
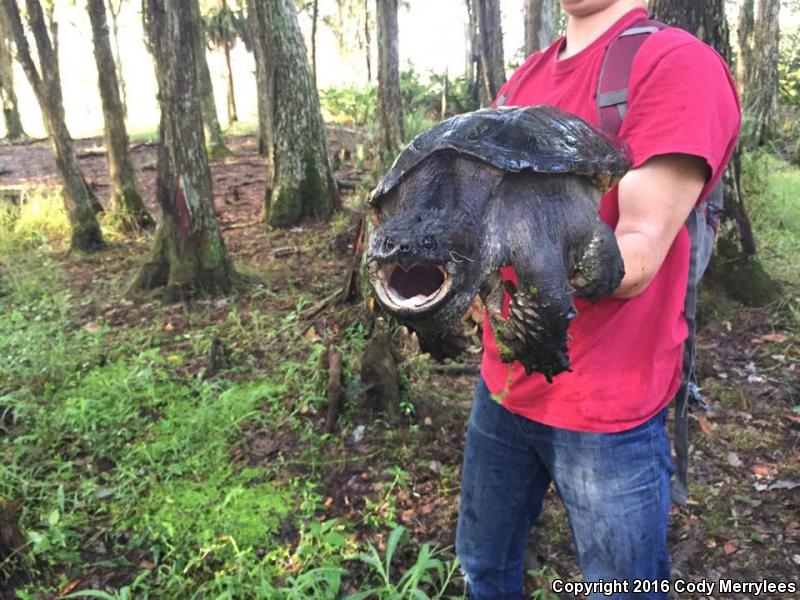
541	139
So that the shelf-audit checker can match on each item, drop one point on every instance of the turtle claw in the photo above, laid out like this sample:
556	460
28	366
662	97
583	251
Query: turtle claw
600	270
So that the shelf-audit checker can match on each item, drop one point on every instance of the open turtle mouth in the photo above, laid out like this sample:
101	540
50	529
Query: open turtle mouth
413	289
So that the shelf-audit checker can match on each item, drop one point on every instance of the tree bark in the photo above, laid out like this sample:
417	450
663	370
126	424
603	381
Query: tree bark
367	41
233	115
262	81
300	180
188	252
216	143
126	203
708	22
538	25
8	98
762	89
473	50
123	90
744	36
490	32
79	201
314	22
390	108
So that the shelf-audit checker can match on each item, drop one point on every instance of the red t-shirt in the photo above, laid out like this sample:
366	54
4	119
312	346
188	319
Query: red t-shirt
626	355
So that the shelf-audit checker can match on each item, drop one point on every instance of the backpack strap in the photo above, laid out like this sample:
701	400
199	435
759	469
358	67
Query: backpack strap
612	105
612	86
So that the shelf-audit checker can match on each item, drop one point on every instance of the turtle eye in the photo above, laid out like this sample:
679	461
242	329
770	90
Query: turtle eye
388	243
429	242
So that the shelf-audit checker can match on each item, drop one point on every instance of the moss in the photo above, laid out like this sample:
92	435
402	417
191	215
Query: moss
311	196
87	237
743	278
218	150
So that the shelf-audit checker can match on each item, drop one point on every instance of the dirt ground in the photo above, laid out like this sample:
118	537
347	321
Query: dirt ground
743	516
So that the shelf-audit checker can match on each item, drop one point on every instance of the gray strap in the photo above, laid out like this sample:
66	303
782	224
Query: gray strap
613	98
639	31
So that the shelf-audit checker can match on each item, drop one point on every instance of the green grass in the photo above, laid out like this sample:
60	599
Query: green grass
123	459
771	187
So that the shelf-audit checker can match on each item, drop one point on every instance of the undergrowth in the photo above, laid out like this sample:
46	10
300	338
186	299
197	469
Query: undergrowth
131	469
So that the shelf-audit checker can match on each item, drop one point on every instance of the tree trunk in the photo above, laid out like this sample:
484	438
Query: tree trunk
233	116
473	56
762	89
123	90
367	41
216	143
314	22
188	253
126	203
301	182
538	25
390	109
490	32
8	98
79	201
262	81
708	22
744	35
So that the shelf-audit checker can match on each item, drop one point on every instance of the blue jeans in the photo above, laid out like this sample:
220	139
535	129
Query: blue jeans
615	487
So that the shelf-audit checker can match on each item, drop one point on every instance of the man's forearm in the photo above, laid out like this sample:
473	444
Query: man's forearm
654	201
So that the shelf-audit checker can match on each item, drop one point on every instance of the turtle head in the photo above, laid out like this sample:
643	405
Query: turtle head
421	261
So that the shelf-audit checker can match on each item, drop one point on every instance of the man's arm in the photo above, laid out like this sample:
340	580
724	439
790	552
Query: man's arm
654	202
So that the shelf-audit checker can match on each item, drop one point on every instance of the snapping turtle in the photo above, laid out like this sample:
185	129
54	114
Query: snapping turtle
495	187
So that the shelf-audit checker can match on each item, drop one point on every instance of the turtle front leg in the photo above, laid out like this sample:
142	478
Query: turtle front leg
600	270
541	308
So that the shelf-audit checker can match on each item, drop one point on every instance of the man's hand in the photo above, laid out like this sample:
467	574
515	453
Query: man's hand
654	202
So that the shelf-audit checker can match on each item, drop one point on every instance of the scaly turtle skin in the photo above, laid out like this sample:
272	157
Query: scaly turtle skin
504	186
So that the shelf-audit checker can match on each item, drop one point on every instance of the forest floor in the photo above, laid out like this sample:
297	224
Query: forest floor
157	450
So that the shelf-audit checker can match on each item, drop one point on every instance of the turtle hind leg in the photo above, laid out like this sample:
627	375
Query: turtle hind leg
600	270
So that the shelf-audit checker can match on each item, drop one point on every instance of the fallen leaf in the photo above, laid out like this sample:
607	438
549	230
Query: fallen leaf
328	502
146	564
784	484
711	543
92	327
734	460
730	547
761	470
169	327
69	587
705	425
774	338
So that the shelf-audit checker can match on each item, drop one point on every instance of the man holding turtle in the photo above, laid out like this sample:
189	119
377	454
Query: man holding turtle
598	432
